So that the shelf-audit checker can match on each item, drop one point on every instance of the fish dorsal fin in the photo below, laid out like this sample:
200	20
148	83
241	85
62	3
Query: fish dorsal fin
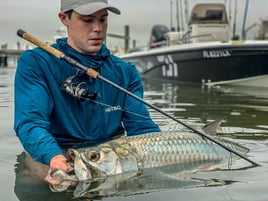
212	127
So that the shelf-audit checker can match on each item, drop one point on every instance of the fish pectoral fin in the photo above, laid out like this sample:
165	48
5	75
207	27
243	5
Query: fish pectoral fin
212	127
208	167
178	176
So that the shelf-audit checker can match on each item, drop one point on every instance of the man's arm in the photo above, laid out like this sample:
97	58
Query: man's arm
33	106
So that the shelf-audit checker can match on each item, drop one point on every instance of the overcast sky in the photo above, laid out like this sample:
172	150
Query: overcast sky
39	17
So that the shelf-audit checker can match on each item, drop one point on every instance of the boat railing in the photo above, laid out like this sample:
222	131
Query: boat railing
187	38
169	41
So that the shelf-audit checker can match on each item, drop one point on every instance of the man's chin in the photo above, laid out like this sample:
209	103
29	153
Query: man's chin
93	50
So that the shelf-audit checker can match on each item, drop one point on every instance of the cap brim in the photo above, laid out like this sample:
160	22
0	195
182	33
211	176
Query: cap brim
91	8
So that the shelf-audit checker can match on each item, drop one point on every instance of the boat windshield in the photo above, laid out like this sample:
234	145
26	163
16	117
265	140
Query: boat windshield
205	14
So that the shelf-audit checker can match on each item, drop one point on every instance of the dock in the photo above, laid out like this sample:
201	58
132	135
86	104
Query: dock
7	54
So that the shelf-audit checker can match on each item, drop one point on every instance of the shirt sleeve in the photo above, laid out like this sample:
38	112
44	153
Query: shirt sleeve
33	106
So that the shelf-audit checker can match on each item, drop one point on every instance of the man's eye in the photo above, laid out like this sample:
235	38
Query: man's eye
88	20
103	20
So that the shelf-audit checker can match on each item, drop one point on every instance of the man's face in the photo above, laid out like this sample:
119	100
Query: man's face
86	33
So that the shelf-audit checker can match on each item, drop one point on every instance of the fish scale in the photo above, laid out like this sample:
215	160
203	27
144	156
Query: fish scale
158	149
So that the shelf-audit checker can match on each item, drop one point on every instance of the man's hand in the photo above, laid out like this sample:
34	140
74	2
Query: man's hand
57	162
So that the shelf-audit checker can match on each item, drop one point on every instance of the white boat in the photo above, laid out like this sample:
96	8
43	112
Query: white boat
204	54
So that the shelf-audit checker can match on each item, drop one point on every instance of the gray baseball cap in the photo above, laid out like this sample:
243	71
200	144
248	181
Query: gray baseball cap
87	7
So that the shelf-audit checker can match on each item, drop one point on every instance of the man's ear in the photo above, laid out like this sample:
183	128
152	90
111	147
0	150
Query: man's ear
63	18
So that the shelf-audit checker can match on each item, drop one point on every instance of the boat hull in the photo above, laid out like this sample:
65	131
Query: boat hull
204	62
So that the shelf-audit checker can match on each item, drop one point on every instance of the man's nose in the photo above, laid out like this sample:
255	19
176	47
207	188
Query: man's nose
98	26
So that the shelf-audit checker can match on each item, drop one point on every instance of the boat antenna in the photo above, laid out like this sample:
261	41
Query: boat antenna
182	17
177	15
244	21
230	11
92	73
171	14
235	15
186	13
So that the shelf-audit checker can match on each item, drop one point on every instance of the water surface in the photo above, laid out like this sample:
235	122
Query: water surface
244	111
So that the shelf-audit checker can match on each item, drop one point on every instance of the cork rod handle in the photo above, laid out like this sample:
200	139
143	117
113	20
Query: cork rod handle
40	43
91	72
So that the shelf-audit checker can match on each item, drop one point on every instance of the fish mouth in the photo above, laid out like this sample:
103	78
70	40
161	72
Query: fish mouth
78	172
68	179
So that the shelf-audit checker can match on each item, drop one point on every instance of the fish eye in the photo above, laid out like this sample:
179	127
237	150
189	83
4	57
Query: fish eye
93	155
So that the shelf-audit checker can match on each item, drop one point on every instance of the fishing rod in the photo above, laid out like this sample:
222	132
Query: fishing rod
92	73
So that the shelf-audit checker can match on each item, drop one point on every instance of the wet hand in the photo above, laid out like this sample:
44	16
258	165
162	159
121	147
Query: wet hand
57	162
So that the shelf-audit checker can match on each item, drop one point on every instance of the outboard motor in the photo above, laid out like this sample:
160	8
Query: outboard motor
158	35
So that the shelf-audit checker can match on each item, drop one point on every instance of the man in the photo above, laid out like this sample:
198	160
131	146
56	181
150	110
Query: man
57	104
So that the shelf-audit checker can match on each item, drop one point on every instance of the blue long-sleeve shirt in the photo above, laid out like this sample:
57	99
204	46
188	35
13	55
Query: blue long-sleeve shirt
46	116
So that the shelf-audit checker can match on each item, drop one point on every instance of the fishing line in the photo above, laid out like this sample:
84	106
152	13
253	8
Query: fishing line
94	74
171	126
78	89
110	106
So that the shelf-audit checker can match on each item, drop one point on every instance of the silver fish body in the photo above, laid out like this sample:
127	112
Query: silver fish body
160	150
159	153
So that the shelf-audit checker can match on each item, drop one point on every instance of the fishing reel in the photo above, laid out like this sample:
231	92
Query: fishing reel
74	87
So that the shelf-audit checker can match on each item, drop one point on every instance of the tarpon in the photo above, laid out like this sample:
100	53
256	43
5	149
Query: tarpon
169	153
